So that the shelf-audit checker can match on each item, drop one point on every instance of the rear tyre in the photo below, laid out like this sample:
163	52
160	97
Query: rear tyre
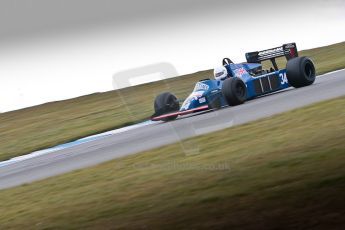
166	103
300	72
234	91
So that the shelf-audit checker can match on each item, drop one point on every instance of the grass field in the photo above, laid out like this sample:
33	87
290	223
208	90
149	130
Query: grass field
290	175
39	127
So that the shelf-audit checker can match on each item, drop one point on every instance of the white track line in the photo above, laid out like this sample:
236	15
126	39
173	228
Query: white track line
74	143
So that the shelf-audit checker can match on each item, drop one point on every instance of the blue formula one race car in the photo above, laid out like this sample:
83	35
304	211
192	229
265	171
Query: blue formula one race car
233	84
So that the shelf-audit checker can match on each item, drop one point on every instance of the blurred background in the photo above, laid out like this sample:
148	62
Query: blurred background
53	50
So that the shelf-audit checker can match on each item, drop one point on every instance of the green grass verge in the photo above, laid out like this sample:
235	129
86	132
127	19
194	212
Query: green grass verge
284	172
43	126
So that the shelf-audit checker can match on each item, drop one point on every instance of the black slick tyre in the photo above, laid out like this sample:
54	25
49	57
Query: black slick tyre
234	91
166	103
300	72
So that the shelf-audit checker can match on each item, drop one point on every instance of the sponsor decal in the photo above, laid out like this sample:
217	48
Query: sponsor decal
202	100
272	51
239	72
186	105
196	95
193	96
201	86
289	46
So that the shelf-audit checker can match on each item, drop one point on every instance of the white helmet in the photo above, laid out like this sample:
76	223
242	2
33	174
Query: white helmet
220	73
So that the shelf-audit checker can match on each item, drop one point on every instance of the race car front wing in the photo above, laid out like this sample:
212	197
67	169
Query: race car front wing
180	113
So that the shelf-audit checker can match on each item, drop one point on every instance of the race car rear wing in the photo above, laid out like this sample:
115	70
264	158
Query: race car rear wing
288	50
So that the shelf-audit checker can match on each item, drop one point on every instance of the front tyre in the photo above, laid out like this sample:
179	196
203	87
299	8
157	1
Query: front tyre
300	72
166	103
234	91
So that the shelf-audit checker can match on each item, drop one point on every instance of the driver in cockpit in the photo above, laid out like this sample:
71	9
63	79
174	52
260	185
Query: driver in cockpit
220	73
223	72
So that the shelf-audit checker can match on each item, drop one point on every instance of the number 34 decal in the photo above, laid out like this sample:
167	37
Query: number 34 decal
283	78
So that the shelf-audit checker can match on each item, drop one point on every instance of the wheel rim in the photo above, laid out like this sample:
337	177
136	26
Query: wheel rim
240	91
172	103
309	70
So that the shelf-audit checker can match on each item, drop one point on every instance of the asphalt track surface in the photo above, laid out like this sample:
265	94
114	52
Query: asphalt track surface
326	87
